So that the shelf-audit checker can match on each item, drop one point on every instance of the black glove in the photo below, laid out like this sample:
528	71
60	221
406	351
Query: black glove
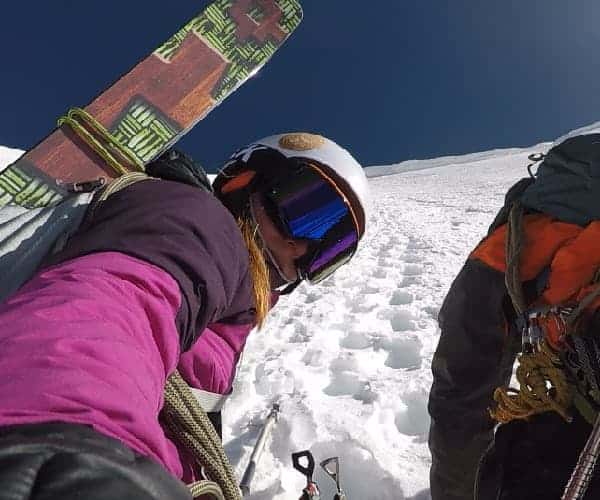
173	165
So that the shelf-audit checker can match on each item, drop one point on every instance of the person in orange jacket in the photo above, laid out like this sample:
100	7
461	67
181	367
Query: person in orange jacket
529	289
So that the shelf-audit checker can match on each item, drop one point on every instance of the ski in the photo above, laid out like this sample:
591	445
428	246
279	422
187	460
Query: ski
156	103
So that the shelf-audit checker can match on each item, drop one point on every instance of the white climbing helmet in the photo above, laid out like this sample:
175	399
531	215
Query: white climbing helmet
319	191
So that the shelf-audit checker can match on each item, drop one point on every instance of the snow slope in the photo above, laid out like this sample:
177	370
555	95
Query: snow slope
349	360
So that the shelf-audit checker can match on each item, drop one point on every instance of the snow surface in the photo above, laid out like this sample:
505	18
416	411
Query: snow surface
349	360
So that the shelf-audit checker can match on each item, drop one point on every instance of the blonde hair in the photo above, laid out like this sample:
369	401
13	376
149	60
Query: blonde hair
259	271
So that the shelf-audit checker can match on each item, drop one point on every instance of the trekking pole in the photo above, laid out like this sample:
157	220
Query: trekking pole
258	449
582	474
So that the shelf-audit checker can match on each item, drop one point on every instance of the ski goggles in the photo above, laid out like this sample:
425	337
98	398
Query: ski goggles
309	206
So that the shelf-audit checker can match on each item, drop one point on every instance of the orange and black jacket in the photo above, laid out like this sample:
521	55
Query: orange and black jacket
479	340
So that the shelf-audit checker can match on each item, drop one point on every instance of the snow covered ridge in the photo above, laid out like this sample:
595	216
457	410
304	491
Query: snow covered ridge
444	161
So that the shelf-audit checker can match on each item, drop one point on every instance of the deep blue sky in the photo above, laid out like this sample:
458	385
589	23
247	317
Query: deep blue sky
390	79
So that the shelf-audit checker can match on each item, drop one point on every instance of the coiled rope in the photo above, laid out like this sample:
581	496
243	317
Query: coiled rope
541	375
189	424
543	387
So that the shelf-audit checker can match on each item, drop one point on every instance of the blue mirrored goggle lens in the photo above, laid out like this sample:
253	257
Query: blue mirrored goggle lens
310	208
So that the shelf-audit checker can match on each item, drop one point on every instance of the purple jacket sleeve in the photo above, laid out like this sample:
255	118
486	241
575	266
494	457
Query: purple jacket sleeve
91	342
187	232
211	362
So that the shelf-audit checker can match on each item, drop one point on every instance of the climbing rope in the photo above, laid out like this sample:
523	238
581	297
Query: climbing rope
189	424
543	387
541	375
514	247
97	137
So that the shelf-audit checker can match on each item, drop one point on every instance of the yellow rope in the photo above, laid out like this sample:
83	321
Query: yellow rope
190	425
543	387
543	384
101	141
201	488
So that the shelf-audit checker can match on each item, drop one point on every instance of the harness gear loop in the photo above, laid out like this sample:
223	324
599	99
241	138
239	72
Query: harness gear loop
97	137
190	426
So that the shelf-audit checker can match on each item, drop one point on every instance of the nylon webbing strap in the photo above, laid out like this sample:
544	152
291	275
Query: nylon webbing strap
118	156
210	402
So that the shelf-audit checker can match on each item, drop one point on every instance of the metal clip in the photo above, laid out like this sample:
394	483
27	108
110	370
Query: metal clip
86	186
531	333
535	158
532	328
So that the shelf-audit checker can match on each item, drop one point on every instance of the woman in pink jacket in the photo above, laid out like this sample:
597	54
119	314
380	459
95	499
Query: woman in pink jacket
161	275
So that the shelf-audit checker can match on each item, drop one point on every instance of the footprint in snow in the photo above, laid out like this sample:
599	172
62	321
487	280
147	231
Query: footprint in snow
402	321
312	297
415	244
367	395
413	270
380	273
369	289
432	311
403	353
313	357
412	258
414	419
401	298
386	261
360	305
300	334
356	340
409	281
344	379
274	381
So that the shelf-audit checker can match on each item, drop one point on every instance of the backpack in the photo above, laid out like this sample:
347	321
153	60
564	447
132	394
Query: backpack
546	239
